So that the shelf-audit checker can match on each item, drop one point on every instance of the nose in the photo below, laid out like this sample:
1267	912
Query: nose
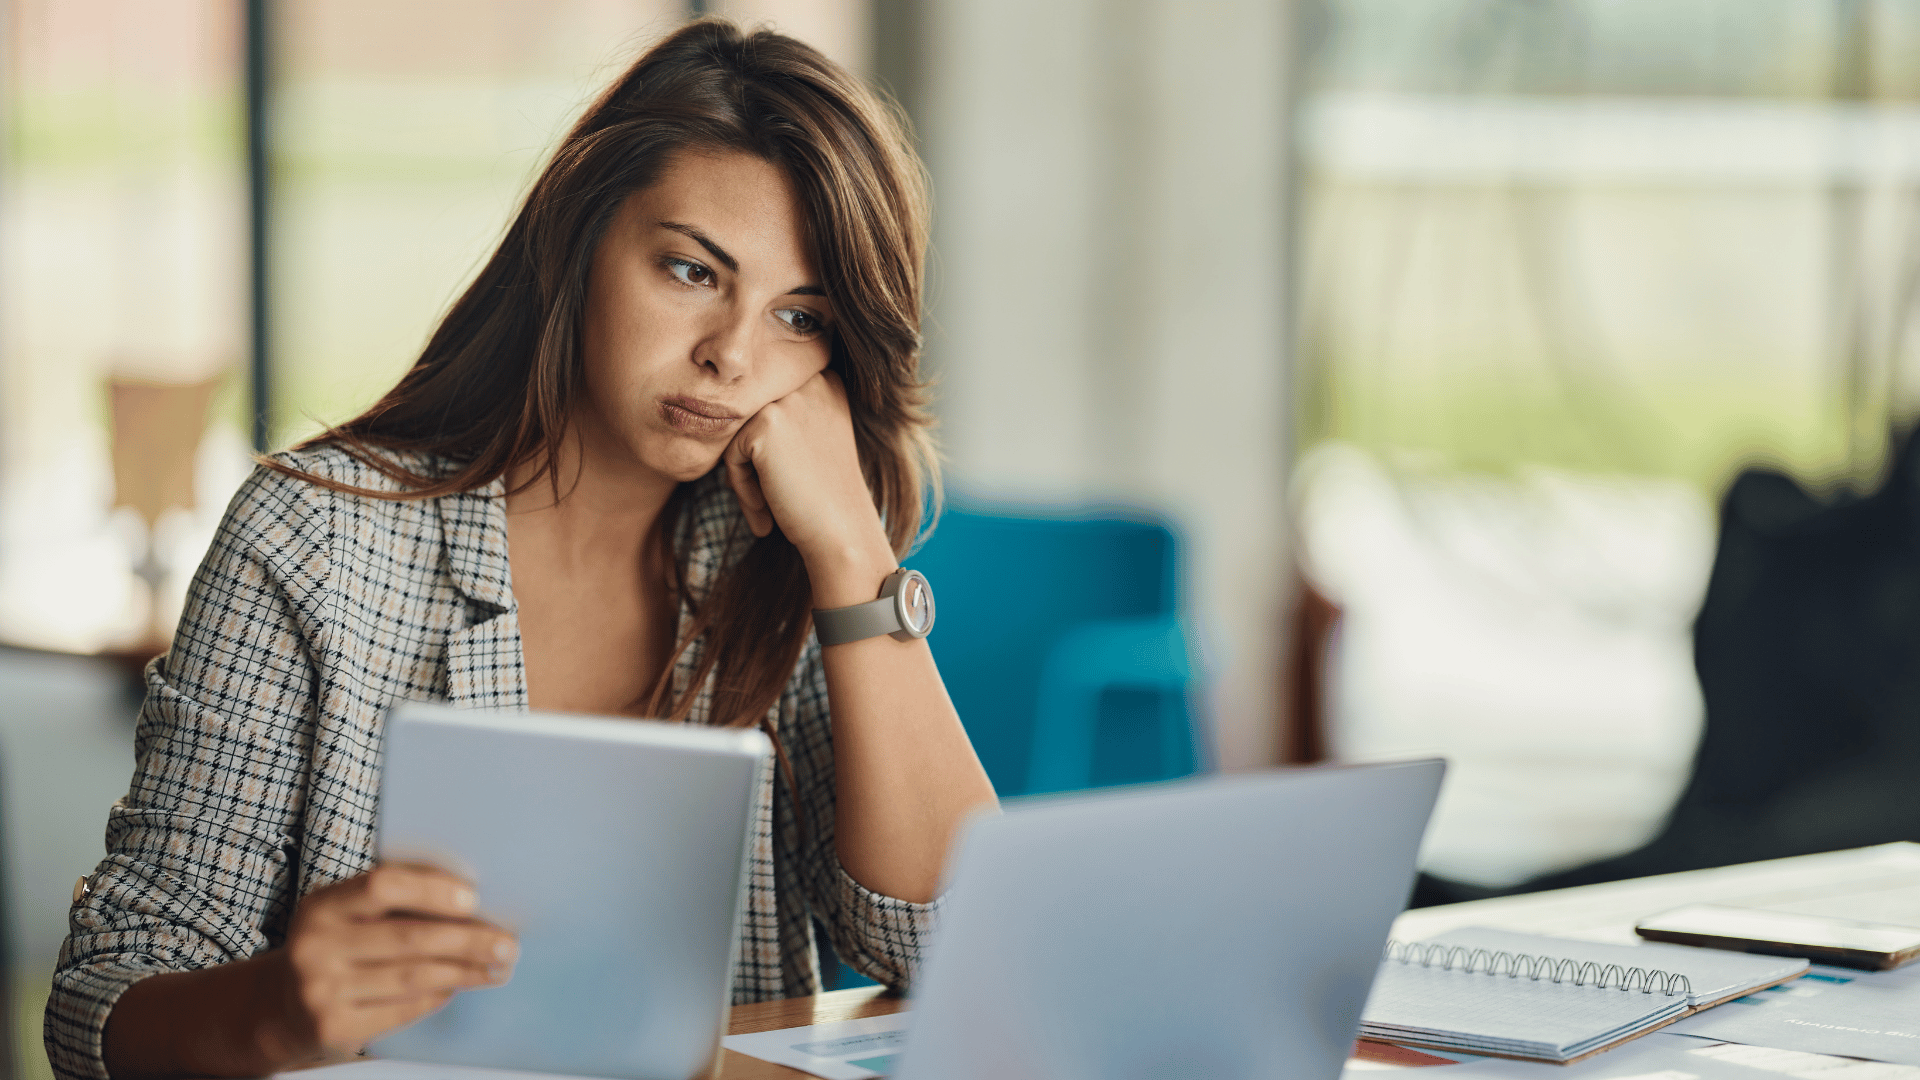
727	349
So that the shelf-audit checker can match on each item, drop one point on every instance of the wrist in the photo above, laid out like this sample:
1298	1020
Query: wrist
842	575
225	1020
277	1027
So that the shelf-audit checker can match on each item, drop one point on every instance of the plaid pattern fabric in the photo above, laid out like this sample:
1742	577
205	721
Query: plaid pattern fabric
257	752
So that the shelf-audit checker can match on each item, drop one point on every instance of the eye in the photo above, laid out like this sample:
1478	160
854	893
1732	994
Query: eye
688	272
800	321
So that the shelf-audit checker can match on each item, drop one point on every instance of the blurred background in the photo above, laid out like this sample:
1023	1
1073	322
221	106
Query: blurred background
1318	379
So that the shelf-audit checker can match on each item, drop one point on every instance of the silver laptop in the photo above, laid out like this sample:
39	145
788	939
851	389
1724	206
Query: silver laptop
616	848
1222	929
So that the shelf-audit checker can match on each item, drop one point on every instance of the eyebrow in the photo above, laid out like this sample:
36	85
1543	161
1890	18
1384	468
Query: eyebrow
720	254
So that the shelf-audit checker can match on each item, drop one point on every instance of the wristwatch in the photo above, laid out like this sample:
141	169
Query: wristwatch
904	610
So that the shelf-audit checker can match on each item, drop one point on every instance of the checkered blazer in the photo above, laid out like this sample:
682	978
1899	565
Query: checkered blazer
258	750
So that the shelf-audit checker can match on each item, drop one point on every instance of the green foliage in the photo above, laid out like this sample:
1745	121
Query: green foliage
1697	429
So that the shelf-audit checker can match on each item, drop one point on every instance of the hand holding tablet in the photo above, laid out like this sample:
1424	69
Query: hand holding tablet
615	849
376	952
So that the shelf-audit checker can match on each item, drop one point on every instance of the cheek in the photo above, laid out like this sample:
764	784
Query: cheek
809	361
625	347
611	384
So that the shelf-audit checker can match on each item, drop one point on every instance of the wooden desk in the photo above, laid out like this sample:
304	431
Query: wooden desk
1873	884
798	1012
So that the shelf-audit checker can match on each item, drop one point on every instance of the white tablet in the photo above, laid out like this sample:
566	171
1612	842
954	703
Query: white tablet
617	850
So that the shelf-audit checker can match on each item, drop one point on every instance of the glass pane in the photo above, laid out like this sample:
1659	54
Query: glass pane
1567	268
122	282
405	135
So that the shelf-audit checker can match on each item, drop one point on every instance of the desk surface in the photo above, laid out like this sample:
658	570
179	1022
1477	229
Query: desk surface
798	1012
1873	884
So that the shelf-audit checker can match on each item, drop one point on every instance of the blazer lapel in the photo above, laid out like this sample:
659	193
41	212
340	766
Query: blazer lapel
484	666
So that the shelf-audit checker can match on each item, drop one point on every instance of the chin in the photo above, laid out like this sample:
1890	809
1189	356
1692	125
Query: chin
684	459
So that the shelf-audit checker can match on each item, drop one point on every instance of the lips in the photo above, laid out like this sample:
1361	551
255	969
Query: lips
693	416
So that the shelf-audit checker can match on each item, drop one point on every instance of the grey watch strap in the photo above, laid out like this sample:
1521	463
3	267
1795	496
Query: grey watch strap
904	611
837	626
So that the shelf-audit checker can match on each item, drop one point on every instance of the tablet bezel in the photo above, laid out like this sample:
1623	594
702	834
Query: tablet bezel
686	804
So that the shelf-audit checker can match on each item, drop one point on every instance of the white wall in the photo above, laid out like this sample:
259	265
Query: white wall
840	28
1108	307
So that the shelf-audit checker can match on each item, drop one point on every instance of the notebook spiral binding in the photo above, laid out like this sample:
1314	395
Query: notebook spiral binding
1537	968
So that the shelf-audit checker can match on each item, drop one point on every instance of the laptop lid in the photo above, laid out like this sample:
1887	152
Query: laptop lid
615	848
1220	928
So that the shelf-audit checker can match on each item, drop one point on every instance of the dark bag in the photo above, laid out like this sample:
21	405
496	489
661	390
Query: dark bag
1808	651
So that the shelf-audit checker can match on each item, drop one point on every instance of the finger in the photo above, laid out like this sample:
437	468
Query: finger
409	887
376	983
746	485
752	499
466	941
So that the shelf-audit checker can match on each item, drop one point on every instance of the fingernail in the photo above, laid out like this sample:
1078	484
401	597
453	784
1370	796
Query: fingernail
505	951
497	975
464	899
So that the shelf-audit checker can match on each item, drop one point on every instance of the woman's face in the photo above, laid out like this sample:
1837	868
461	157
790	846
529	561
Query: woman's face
703	306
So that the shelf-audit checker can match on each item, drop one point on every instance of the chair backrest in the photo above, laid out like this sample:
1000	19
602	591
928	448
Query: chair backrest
1029	596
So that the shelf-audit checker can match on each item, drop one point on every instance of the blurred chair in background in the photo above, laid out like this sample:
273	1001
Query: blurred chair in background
1059	638
157	428
1091	660
1312	622
1060	643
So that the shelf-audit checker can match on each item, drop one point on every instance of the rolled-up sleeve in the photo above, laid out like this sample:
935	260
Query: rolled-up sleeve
881	937
200	852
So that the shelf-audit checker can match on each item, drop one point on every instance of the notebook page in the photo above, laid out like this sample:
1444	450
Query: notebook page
1513	1015
1714	974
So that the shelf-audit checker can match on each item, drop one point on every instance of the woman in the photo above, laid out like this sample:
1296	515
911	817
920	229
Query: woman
677	410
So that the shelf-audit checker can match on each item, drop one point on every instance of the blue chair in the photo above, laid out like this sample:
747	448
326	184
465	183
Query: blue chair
1058	637
1088	662
1060	644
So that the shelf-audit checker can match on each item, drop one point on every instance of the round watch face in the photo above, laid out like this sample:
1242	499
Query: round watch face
916	605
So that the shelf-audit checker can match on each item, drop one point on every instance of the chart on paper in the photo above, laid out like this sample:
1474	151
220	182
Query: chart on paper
1869	1014
843	1050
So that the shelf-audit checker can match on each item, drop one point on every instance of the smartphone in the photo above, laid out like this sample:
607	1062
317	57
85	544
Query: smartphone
1874	946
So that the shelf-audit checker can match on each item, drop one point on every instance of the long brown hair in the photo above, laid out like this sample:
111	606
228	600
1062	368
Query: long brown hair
501	376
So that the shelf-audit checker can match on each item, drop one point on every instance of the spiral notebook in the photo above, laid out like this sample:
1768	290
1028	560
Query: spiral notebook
1549	999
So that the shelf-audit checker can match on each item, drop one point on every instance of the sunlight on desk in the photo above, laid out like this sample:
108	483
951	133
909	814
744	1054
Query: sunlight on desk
1875	884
